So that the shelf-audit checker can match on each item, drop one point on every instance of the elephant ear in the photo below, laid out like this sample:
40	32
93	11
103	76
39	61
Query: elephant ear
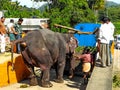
73	43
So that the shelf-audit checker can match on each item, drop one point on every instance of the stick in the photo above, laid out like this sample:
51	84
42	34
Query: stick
71	29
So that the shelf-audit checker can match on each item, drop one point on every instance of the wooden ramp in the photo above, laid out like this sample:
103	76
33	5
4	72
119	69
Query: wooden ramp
7	76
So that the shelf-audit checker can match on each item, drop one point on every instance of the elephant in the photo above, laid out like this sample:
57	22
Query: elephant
44	48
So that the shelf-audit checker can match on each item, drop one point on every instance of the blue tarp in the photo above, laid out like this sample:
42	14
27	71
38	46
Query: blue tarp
85	39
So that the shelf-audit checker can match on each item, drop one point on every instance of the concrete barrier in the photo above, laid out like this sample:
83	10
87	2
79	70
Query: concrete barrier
7	76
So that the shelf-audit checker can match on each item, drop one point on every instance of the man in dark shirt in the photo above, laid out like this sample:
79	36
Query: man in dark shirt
18	29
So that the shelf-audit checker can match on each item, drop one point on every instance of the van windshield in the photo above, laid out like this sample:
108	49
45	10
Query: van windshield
118	38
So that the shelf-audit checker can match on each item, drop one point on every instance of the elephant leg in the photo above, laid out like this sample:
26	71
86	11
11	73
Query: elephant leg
60	71
45	79
32	77
72	67
71	73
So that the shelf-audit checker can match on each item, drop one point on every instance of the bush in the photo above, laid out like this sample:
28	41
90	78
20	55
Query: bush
117	28
80	49
116	80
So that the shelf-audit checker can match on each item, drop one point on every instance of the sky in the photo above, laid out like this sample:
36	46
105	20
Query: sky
29	3
116	1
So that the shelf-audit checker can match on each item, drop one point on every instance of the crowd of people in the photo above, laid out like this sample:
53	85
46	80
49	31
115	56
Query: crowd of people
11	30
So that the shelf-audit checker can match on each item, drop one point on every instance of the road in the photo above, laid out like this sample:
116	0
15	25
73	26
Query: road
116	60
73	84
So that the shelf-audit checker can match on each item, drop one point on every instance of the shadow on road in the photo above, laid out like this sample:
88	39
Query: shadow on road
76	82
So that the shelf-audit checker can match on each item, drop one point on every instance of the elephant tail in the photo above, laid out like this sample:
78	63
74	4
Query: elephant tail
12	49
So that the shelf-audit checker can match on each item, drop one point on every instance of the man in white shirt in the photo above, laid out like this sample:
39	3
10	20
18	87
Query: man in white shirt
11	30
104	39
111	29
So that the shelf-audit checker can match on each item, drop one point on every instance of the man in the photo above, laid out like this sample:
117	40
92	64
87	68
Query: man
112	27
86	63
2	35
11	30
18	30
104	39
44	25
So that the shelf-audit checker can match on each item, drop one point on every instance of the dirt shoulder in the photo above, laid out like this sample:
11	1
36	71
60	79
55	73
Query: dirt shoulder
73	84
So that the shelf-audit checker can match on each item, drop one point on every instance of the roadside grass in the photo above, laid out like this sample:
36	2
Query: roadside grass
116	80
117	27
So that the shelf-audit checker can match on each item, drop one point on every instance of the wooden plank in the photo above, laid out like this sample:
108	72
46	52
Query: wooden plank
72	29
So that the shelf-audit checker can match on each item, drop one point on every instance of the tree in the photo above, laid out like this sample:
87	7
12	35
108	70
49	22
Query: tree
14	10
96	5
69	12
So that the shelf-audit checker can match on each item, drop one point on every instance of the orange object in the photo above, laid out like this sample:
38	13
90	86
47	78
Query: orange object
7	76
86	67
14	49
112	48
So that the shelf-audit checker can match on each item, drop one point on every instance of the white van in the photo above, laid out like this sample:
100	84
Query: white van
117	41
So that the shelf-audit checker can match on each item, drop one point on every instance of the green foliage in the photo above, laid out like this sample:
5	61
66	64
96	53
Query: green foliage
116	80
112	12
14	10
117	28
69	13
80	49
96	4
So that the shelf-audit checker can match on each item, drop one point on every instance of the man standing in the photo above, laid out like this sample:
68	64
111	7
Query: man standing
18	30
2	35
112	28
104	39
11	30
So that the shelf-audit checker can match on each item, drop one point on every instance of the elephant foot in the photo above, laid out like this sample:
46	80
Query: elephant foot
70	76
59	80
46	84
33	81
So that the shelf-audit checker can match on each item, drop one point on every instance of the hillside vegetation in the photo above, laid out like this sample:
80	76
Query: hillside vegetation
68	13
